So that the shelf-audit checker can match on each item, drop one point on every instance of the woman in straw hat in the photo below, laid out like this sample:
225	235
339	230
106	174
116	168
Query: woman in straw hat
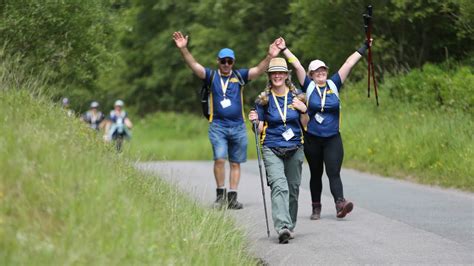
323	143
278	111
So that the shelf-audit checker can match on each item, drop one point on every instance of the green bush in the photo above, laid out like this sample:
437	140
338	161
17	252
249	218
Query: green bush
434	86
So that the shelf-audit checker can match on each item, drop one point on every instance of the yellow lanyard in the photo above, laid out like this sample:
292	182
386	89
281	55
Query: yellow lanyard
285	105
224	85
323	97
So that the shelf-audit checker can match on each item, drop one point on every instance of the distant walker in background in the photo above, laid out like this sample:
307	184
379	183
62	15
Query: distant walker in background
118	125
94	118
66	107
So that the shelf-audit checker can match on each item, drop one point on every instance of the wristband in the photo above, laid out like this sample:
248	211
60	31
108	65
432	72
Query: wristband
363	48
283	49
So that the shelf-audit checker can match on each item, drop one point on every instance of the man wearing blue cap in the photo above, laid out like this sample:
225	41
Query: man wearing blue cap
227	131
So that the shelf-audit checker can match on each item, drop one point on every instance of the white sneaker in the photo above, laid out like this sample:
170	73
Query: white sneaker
292	234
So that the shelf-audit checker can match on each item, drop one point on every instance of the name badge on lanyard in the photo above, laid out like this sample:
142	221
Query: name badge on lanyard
226	102
319	115
288	134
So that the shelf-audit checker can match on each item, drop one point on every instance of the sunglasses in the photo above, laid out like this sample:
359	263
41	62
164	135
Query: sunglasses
224	61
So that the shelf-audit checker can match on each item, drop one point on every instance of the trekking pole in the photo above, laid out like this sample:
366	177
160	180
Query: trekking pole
367	37
259	156
370	68
369	12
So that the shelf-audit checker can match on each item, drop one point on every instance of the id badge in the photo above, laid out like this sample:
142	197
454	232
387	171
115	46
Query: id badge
288	134
319	117
225	103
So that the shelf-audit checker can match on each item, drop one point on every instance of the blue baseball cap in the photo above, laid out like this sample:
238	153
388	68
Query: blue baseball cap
226	52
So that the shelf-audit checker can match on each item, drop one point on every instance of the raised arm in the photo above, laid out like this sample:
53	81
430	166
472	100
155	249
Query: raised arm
292	59
352	60
181	42
258	70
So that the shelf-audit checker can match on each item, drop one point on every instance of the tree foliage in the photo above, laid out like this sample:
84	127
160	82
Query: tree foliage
408	33
110	49
68	40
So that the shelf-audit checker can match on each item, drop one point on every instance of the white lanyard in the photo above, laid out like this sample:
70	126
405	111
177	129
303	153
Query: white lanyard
224	85
323	97
282	114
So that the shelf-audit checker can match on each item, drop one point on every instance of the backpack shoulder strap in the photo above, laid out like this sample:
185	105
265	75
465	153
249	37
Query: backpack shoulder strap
333	87
213	74
239	77
309	91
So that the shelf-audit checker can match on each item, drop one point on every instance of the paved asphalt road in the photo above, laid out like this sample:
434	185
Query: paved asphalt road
393	222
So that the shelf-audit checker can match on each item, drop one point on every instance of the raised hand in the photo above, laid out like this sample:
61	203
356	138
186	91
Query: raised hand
280	43
273	50
180	40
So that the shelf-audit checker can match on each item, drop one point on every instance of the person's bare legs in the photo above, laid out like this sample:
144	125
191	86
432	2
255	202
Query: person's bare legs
234	183
219	172
234	175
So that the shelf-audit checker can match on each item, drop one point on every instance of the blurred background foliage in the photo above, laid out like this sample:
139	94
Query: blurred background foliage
108	49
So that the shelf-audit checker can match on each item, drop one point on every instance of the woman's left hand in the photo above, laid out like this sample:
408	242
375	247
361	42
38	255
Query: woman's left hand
299	105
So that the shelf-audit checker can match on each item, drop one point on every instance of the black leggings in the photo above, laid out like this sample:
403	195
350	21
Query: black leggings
330	151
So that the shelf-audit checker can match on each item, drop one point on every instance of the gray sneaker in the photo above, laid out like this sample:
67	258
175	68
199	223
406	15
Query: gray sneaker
292	234
284	235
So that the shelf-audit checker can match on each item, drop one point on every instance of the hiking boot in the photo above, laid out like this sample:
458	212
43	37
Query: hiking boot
284	236
232	201
316	215
343	207
220	198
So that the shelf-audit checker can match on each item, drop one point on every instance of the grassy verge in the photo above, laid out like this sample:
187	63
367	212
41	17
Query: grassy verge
66	198
396	139
173	136
428	146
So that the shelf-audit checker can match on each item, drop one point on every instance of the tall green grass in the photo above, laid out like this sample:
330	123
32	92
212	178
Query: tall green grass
67	198
398	139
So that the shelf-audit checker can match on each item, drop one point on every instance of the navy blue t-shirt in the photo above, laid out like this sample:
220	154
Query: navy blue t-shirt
114	117
232	115
331	114
273	126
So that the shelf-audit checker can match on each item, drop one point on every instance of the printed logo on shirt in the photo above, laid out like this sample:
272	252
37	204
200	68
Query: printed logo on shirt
234	80
291	107
330	91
